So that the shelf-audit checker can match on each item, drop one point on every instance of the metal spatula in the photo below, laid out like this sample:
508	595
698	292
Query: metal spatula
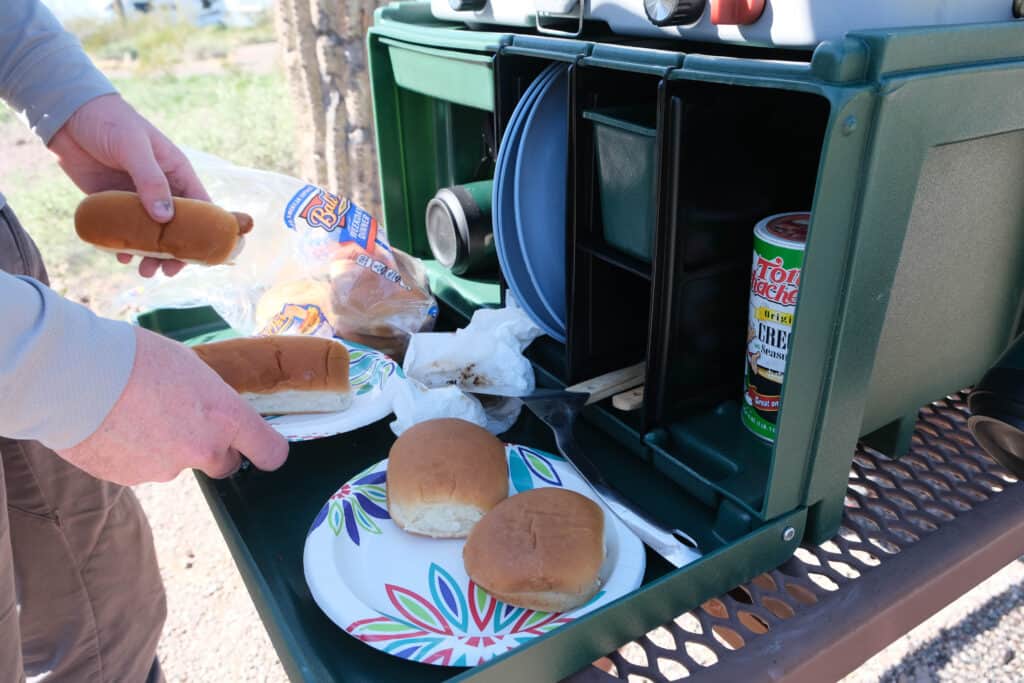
558	409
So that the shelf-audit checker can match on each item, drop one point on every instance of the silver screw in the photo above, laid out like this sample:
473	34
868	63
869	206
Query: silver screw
788	534
849	125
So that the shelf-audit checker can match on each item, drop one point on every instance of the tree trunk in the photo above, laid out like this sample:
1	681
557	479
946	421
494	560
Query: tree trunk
324	47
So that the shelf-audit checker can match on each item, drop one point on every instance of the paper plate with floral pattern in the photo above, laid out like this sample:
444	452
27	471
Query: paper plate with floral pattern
410	595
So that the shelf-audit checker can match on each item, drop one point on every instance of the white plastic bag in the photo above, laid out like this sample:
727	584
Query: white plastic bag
315	263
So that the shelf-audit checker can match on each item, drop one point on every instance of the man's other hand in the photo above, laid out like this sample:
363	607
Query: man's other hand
175	413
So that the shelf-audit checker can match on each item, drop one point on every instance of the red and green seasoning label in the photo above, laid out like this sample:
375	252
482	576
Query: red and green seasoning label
774	286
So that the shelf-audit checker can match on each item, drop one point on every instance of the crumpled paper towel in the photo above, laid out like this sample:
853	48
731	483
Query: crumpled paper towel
445	371
485	357
415	403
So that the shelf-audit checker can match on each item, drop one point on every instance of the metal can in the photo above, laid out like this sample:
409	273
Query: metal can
779	243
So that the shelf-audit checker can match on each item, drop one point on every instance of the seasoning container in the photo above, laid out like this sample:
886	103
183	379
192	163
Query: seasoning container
779	243
459	228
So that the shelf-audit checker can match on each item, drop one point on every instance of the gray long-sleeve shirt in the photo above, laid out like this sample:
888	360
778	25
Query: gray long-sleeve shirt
61	367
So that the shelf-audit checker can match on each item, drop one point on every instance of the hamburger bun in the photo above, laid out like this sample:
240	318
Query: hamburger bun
373	306
200	232
541	549
282	375
347	308
443	476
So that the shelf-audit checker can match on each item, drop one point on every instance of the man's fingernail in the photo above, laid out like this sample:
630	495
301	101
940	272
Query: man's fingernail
163	209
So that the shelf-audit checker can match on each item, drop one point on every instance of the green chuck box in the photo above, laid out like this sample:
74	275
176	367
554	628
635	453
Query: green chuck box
906	145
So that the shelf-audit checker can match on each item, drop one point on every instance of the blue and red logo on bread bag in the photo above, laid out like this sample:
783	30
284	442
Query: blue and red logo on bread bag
342	220
301	319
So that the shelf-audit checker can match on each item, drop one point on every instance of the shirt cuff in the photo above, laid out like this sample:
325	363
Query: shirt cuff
62	368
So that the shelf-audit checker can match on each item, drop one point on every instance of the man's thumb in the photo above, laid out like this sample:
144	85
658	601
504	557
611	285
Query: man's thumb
259	442
149	179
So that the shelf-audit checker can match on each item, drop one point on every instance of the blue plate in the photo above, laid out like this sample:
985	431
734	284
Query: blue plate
539	189
506	238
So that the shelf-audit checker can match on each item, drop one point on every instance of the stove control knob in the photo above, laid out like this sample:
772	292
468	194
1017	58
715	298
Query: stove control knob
674	12
467	5
736	12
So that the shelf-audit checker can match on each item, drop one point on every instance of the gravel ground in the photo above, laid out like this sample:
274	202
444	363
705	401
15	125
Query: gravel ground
980	637
213	634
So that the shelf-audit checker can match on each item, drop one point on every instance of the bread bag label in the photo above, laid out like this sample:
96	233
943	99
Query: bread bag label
299	319
774	287
339	219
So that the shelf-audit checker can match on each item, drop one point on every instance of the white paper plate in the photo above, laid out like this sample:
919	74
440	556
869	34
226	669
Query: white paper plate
410	596
371	375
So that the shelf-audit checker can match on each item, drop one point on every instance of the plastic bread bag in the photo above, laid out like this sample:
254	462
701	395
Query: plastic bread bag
315	263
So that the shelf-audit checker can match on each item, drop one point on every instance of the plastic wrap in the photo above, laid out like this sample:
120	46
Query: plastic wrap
315	263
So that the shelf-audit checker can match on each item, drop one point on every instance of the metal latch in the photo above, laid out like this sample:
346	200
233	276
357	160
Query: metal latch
559	9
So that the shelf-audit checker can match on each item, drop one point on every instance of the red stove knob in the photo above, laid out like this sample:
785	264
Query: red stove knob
736	12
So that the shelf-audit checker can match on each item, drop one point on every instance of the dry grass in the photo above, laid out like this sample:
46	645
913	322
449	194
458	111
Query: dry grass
160	40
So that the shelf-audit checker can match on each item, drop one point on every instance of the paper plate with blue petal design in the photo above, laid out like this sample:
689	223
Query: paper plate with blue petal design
371	375
410	595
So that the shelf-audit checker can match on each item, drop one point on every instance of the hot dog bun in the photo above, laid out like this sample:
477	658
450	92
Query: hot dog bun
200	232
282	375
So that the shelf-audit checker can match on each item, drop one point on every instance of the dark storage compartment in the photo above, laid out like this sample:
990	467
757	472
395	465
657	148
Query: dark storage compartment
443	137
454	141
734	155
717	159
612	215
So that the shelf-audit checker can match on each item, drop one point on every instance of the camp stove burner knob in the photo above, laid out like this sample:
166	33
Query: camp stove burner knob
674	12
467	5
736	12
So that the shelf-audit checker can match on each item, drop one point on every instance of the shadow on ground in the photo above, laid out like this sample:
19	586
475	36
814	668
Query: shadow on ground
950	644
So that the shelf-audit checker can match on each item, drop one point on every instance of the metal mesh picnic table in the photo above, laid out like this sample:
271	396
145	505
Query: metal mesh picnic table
918	532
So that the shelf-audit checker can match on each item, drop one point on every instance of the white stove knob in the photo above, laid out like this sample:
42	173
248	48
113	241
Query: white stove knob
674	12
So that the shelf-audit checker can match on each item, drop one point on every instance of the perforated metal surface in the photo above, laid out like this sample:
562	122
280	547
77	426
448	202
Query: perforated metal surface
890	506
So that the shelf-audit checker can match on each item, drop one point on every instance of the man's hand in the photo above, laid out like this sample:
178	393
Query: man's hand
175	413
107	145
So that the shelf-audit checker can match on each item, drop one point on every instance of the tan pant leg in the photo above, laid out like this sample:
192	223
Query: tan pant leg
11	668
88	585
92	603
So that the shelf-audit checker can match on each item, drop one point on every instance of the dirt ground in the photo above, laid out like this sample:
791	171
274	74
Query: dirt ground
213	633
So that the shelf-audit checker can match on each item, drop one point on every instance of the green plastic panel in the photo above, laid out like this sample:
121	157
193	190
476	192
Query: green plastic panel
463	78
894	52
892	245
412	22
462	294
546	48
638	60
